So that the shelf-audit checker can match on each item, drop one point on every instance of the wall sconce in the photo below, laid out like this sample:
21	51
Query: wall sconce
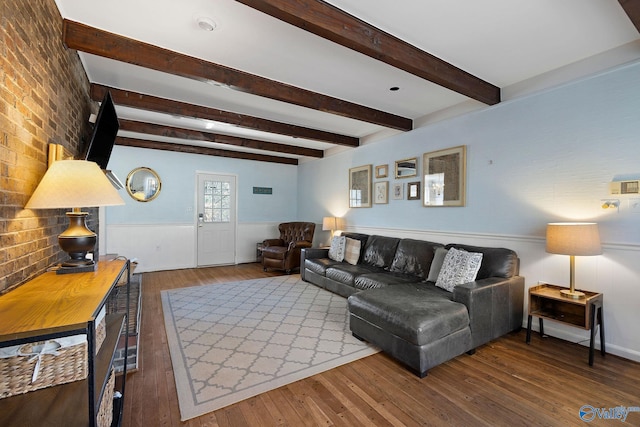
610	204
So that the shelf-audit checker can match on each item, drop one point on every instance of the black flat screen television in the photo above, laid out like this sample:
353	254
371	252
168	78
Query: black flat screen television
104	133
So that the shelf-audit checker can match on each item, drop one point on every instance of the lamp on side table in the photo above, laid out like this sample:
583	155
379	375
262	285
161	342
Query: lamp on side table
573	238
330	223
75	184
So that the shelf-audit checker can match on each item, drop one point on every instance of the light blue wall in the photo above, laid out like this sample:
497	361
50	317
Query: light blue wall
545	157
175	204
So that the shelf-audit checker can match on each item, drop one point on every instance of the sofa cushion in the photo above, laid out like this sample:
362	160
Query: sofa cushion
414	257
347	273
352	250
380	280
319	265
459	267
419	313
379	251
436	264
496	262
336	250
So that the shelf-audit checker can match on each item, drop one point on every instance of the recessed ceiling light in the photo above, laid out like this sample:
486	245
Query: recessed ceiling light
394	88
206	24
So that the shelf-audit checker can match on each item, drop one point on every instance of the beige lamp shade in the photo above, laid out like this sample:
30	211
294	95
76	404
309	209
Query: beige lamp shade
74	184
573	238
329	223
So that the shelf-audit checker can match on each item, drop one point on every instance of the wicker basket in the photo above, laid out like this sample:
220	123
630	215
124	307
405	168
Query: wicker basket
105	413
42	364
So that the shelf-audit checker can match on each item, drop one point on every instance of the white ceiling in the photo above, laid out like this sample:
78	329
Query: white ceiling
505	42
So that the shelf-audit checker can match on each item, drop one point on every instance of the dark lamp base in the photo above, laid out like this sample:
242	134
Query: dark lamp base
77	240
77	269
77	262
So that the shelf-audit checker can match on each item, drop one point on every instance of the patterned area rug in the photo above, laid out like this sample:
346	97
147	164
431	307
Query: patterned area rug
232	341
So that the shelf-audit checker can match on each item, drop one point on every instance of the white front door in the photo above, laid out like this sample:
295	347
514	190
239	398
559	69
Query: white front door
216	221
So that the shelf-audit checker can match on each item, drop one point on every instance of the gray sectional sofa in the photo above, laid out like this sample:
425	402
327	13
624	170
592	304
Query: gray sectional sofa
394	303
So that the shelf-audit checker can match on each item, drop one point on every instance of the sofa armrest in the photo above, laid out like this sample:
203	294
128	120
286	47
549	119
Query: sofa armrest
311	253
273	242
299	244
495	306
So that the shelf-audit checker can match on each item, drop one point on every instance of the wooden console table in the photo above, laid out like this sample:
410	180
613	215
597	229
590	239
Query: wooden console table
53	306
546	302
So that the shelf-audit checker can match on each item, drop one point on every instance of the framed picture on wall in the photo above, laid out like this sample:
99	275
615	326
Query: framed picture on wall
413	190
381	192
444	177
360	187
382	171
406	168
398	192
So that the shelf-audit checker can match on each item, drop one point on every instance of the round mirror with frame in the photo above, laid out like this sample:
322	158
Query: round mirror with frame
143	184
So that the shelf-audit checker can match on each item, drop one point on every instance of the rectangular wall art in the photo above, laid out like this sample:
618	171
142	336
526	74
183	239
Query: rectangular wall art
360	187
444	177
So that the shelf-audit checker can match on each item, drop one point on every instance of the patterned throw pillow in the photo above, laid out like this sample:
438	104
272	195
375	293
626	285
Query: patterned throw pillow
336	250
352	251
459	267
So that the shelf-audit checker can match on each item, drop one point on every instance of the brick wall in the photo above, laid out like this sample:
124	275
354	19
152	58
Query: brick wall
44	98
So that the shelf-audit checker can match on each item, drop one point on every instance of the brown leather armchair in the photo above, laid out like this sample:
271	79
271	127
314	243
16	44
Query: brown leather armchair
284	253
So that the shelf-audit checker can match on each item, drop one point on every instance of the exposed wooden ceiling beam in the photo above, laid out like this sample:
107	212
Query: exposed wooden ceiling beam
196	135
632	8
329	22
168	106
166	146
102	43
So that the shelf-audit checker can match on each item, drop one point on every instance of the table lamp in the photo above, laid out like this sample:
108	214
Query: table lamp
330	223
573	239
75	184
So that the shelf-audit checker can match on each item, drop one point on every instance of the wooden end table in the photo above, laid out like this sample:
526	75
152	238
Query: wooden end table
546	302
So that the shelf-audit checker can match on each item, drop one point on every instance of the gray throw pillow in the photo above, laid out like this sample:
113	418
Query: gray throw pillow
436	264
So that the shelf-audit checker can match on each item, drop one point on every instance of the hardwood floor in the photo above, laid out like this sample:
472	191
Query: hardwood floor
505	383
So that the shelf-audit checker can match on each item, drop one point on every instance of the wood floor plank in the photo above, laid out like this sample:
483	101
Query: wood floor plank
416	397
323	407
377	413
277	399
506	382
255	412
275	411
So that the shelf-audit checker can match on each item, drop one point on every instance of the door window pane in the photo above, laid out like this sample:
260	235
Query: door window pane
216	198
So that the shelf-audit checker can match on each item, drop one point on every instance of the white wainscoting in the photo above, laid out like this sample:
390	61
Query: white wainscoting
249	235
173	246
156	246
615	273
